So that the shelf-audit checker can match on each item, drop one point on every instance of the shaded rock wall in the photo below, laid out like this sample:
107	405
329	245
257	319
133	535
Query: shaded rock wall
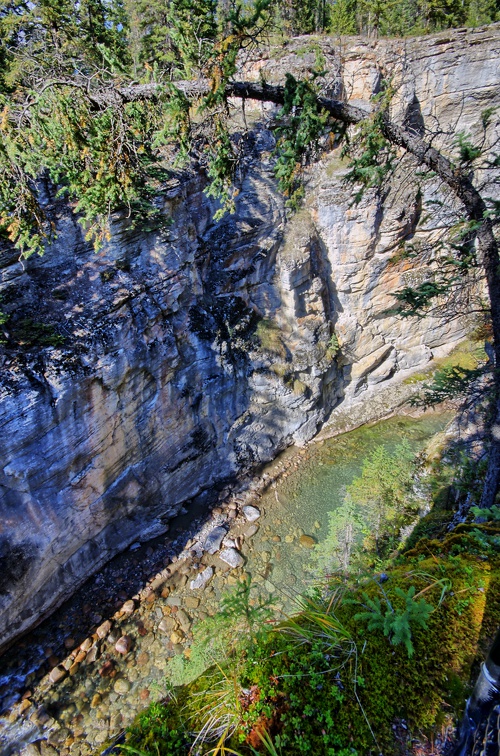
192	355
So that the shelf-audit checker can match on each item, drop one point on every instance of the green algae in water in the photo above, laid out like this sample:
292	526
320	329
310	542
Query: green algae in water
299	504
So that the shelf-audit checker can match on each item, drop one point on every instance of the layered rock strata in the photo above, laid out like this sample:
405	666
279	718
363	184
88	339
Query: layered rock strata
192	354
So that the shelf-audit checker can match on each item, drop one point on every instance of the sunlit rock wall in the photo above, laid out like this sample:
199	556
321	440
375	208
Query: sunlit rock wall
194	354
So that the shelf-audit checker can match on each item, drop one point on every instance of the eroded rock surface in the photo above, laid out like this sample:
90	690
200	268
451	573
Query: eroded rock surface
199	352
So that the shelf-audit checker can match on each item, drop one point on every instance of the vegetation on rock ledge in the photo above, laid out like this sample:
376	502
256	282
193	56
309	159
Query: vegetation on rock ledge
378	660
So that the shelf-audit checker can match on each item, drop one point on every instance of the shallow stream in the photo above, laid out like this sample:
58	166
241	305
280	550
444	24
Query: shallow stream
98	697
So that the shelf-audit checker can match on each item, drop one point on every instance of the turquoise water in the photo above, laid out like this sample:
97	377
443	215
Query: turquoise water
300	504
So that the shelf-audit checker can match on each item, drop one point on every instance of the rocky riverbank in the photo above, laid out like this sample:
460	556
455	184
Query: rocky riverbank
115	640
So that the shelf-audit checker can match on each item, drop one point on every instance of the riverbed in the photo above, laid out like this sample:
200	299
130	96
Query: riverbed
68	689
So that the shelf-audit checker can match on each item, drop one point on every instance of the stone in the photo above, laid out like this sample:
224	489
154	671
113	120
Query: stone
128	607
30	750
232	557
124	644
251	531
202	578
57	674
103	629
173	601
96	701
191	602
46	749
307	541
183	620
121	687
41	716
93	654
176	637
86	645
107	669
143	659
251	513
214	539
167	625
24	706
101	737
113	636
144	694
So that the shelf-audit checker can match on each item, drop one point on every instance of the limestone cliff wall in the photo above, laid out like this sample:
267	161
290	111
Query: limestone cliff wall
194	354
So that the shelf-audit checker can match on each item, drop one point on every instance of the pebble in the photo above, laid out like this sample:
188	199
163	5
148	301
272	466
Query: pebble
183	620
307	541
251	513
214	539
142	659
103	629
176	637
251	531
93	654
107	669
101	737
24	706
128	607
202	578
191	602
166	625
57	674
123	644
121	687
231	557
113	636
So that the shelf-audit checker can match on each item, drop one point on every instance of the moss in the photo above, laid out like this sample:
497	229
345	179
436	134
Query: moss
466	355
159	730
330	683
299	387
280	369
269	335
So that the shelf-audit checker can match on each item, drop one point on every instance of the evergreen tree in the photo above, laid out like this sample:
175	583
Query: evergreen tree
343	17
177	35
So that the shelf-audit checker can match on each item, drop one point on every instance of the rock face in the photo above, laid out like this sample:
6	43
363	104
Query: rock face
193	354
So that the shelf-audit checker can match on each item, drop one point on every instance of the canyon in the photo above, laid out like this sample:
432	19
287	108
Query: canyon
191	354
